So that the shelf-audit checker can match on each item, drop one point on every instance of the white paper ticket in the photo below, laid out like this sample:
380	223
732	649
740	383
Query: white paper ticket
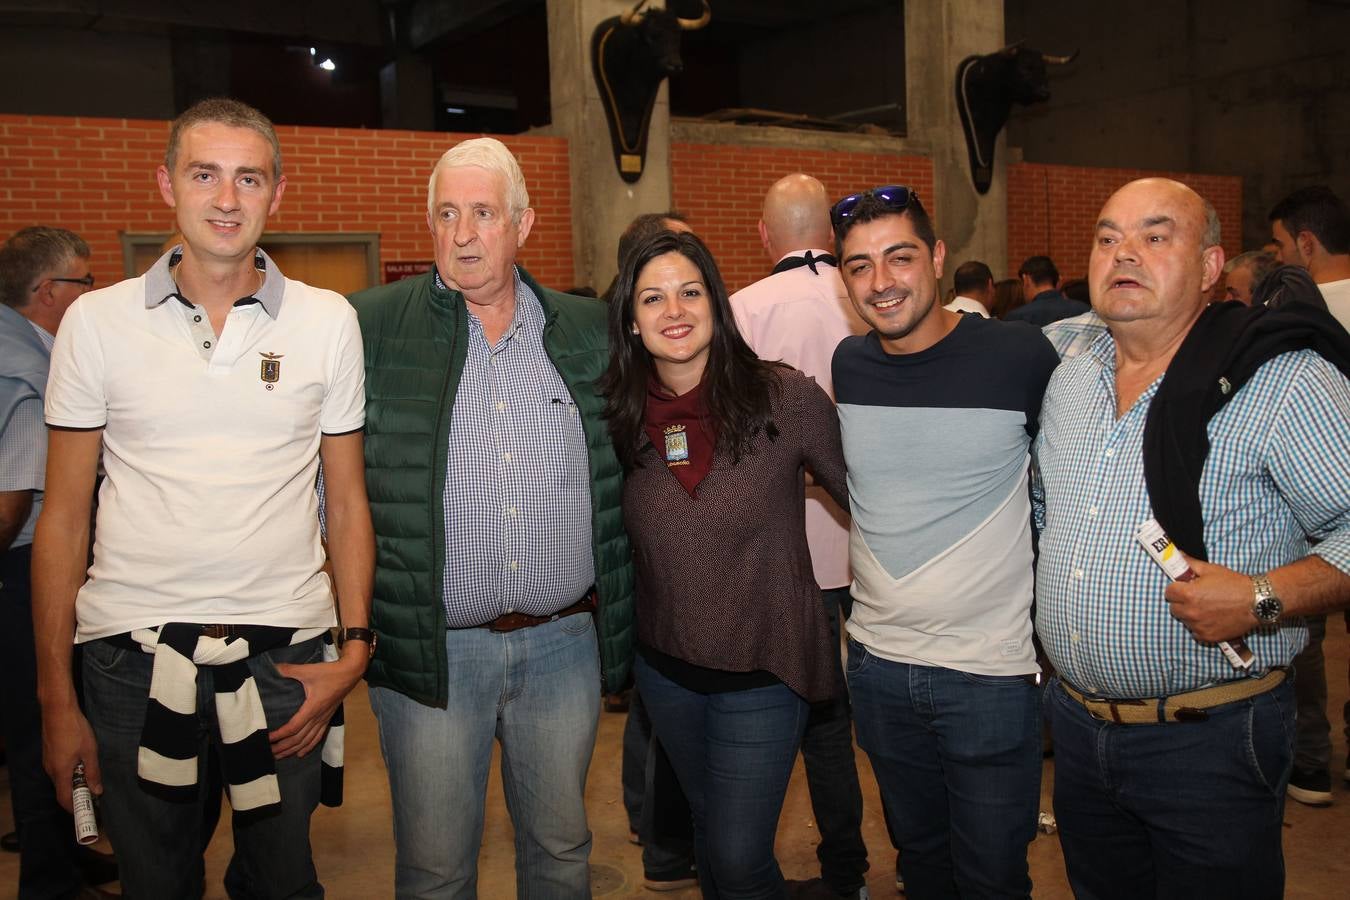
1169	558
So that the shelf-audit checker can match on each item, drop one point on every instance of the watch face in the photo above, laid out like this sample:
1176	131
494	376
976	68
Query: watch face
1268	609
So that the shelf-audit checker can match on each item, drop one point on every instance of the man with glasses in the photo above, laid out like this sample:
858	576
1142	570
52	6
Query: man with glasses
42	271
938	411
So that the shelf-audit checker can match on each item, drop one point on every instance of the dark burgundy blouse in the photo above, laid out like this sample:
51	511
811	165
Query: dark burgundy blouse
724	579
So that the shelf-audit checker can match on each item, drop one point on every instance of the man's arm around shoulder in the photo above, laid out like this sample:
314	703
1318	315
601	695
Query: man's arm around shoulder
60	552
351	547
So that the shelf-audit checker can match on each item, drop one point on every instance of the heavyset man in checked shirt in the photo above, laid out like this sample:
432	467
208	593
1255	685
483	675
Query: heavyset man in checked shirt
1170	762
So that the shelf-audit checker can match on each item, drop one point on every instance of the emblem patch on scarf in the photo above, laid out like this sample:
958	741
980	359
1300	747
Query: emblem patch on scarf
677	446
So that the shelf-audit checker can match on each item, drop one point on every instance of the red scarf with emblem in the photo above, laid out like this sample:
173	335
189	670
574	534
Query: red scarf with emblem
682	432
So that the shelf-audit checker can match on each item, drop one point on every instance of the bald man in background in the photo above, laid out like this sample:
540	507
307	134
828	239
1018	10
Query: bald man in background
799	314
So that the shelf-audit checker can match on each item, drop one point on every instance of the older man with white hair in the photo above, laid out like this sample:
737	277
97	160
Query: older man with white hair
503	577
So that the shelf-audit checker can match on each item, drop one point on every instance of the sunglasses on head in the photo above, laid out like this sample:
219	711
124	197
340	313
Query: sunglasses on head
892	196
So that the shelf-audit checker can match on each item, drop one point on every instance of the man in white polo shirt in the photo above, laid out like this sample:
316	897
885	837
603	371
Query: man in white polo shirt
212	386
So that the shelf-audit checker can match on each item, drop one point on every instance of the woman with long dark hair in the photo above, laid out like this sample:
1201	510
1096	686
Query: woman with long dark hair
733	640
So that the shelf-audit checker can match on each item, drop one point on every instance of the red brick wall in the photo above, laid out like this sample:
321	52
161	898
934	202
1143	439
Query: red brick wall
1052	210
721	187
96	177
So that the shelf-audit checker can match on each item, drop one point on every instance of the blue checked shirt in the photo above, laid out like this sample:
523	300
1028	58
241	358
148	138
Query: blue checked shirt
1075	334
1278	472
517	487
23	451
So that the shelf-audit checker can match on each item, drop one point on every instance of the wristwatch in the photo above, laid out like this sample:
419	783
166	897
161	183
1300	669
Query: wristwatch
1265	605
360	634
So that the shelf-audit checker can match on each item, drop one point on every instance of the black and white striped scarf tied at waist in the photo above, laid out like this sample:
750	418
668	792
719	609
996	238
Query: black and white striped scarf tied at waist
167	764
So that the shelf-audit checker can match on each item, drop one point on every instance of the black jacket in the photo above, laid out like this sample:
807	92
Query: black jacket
1224	348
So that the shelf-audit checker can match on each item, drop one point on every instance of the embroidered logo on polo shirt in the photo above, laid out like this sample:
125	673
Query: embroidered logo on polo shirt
677	446
271	368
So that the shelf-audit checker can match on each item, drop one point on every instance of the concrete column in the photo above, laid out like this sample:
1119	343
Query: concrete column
937	37
408	94
602	203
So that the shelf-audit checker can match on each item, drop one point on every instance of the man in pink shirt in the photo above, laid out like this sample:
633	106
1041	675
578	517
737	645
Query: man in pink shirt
799	314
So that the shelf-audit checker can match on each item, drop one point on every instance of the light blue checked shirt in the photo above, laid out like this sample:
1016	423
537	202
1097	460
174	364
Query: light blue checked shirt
23	451
1278	472
517	487
1075	334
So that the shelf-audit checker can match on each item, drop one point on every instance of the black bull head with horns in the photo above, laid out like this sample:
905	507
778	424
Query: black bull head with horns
986	89
631	54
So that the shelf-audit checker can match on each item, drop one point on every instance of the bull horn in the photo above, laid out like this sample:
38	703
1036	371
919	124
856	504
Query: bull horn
1059	60
632	17
695	24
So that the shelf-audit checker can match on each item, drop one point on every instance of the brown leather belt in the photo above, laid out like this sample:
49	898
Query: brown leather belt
516	621
1191	706
221	631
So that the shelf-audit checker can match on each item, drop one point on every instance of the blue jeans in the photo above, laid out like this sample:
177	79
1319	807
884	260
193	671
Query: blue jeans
832	774
658	812
159	852
733	754
537	691
958	760
1189	809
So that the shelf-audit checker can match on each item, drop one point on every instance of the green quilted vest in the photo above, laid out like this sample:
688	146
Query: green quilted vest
414	336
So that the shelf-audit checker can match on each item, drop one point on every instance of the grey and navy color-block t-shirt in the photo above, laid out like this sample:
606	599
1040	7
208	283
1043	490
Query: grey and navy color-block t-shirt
937	449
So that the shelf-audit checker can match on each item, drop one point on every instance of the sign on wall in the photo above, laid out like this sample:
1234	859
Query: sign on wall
397	271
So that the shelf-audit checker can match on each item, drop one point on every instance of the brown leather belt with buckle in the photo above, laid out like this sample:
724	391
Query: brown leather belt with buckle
517	621
1191	706
221	631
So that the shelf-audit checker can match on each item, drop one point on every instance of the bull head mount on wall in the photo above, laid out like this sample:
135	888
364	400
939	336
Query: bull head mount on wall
986	89
631	54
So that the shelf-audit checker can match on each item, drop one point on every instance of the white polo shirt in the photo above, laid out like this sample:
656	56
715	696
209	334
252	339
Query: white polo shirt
208	512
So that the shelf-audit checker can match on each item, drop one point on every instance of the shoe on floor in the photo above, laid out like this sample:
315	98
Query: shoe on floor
9	842
1310	787
676	880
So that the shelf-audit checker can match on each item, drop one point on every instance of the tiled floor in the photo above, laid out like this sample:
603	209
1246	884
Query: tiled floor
354	848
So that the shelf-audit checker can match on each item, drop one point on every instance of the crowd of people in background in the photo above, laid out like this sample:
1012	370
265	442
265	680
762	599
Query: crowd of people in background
1118	502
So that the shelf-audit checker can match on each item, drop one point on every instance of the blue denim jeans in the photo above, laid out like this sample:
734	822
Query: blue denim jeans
157	841
536	691
657	809
958	760
733	754
832	774
1180	810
